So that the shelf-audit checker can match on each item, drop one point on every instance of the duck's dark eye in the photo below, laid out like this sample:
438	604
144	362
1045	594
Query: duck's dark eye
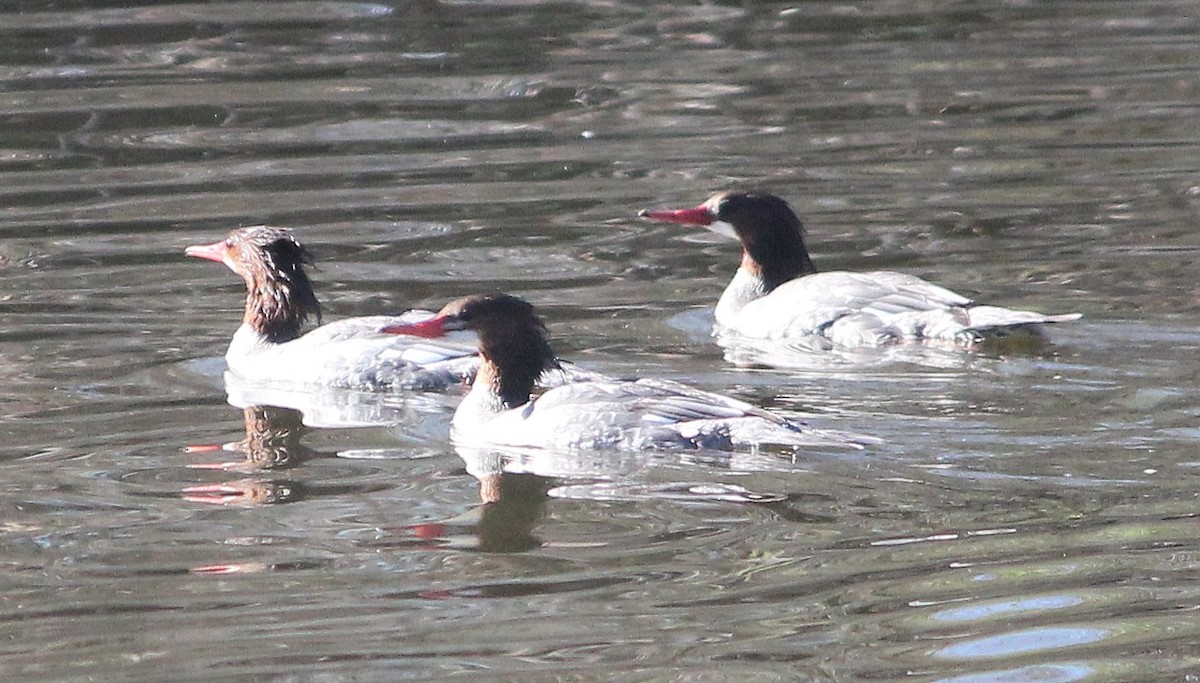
229	242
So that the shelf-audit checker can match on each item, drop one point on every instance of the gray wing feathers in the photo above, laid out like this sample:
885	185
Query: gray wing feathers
991	317
654	412
875	308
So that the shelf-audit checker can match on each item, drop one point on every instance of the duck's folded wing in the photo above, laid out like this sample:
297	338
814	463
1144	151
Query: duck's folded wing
671	401
814	303
696	412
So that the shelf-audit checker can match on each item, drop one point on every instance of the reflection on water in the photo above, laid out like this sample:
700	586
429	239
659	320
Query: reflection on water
272	443
1029	518
510	506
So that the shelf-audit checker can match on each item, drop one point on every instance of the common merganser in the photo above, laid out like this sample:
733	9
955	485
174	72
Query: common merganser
777	292
351	353
499	411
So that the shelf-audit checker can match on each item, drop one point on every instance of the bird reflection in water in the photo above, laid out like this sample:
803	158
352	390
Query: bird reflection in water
272	443
510	505
515	485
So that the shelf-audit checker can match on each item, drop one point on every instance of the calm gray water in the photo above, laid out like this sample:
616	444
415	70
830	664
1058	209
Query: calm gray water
1028	519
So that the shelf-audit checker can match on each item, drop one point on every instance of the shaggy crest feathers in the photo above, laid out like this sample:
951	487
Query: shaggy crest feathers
511	337
280	296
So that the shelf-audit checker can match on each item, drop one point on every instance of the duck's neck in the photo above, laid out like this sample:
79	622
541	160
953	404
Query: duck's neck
756	278
278	305
509	367
745	287
777	261
507	387
484	401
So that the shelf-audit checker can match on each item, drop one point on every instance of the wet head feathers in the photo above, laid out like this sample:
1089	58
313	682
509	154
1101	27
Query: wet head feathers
511	337
280	297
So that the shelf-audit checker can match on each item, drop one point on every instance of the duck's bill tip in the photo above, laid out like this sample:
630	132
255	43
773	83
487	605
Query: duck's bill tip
211	252
696	216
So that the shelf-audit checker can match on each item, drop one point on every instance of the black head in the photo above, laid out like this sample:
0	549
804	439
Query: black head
511	336
770	233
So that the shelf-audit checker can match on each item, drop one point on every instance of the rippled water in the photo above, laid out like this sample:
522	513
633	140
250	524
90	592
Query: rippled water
1029	519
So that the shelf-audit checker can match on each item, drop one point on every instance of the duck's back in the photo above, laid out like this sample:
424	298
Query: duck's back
632	414
353	354
874	309
854	308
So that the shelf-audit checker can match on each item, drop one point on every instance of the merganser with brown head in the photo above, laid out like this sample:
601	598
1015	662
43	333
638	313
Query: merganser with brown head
500	411
351	353
777	292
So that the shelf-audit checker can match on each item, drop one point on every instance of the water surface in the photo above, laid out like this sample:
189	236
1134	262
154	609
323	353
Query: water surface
1029	518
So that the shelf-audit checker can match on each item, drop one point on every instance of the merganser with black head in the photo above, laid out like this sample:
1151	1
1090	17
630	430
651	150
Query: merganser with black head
777	292
350	354
500	410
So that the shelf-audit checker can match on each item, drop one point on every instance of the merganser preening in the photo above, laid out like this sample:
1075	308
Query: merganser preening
777	292
351	353
499	410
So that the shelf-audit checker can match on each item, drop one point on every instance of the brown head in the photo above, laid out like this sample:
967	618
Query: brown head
512	340
271	261
771	235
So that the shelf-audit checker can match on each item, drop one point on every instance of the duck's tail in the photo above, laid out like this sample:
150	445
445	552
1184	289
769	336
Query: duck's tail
1004	330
